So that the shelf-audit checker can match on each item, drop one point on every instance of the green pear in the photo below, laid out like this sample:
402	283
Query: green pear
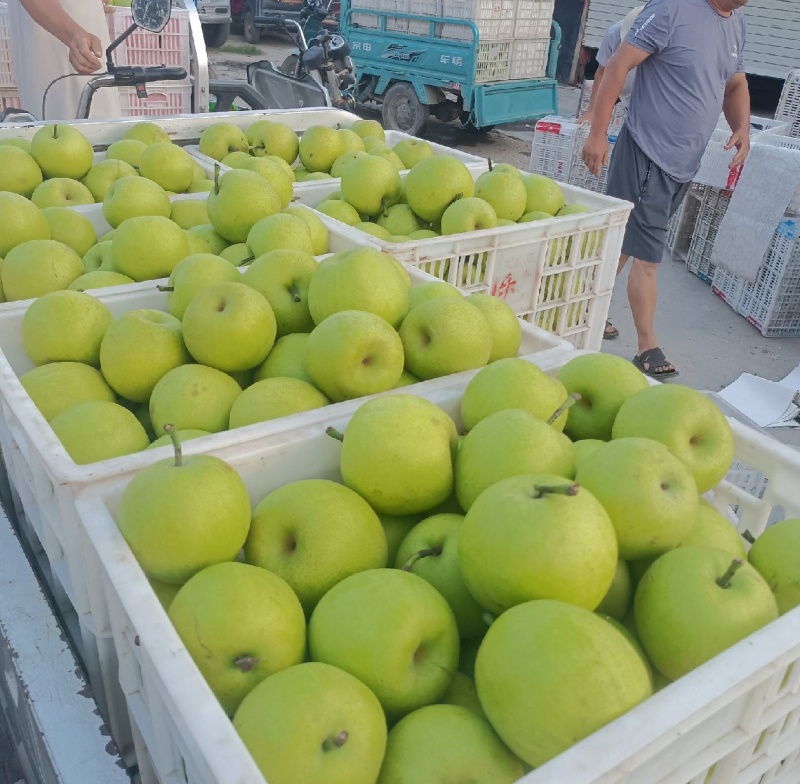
503	322
239	200
584	448
363	279
18	142
147	133
382	151
649	494
59	385
504	191
776	556
212	241
148	247
43	332
412	151
286	360
220	139
392	631
127	150
98	430
189	213
100	177
618	598
320	146
604	382
711	529
72	228
396	528
62	151
193	274
430	290
274	398
99	279
100	257
400	220
273	139
313	533
505	444
240	624
131	197
139	349
447	743
37	267
280	232
468	214
367	128
431	550
235	159
535	537
435	183
283	277
544	195
513	383
345	159
423	234
397	453
183	435
372	229
687	423
61	192
351	141
229	326
200	186
238	254
193	397
695	602
340	211
319	232
165	592
342	741
23	222
445	335
182	515
19	172
274	174
576	667
353	353
370	185
406	380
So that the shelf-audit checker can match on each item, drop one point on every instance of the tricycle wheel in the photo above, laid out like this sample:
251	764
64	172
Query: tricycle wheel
216	35
250	30
402	110
467	124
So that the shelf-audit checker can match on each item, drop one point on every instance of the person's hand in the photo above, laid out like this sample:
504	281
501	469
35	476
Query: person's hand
595	152
84	52
586	117
741	141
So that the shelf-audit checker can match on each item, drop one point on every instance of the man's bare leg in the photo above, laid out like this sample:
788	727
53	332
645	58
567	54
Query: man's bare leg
610	330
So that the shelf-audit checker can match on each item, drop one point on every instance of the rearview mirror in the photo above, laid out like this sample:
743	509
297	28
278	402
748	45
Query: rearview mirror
151	15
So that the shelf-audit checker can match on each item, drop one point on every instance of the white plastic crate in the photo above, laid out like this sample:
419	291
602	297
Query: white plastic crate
617	116
9	99
529	58
164	99
789	104
580	175
556	273
7	79
772	302
737	715
534	18
682	224
774	139
712	210
169	47
493	61
493	18
553	147
728	287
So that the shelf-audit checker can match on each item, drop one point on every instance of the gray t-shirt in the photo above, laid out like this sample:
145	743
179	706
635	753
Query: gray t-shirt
611	42
678	92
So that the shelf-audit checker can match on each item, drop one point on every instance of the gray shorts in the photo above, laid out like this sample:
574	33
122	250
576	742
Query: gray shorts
655	195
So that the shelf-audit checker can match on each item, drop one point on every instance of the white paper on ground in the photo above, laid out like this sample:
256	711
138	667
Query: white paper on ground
770	177
767	403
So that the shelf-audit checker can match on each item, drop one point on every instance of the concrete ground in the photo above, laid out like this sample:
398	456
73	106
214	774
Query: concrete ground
708	342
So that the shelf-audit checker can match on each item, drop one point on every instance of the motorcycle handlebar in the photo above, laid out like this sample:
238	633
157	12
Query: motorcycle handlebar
124	77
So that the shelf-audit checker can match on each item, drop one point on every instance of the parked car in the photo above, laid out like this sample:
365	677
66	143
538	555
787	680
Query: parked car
215	16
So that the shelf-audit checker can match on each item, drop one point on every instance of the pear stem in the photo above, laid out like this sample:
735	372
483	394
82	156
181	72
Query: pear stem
407	566
565	406
336	742
55	131
166	288
491	165
748	537
295	295
216	179
725	580
176	443
246	663
334	433
248	260
569	490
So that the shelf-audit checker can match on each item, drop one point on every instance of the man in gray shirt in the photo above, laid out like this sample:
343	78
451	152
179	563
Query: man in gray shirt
689	56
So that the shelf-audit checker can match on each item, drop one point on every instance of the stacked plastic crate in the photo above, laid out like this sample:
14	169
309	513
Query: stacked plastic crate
9	97
789	105
683	223
170	47
553	149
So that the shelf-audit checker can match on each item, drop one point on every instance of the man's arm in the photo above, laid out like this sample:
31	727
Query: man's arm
625	59
84	48
736	107
589	113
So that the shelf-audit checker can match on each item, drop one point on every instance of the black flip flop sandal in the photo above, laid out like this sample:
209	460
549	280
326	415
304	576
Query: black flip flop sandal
654	359
610	332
